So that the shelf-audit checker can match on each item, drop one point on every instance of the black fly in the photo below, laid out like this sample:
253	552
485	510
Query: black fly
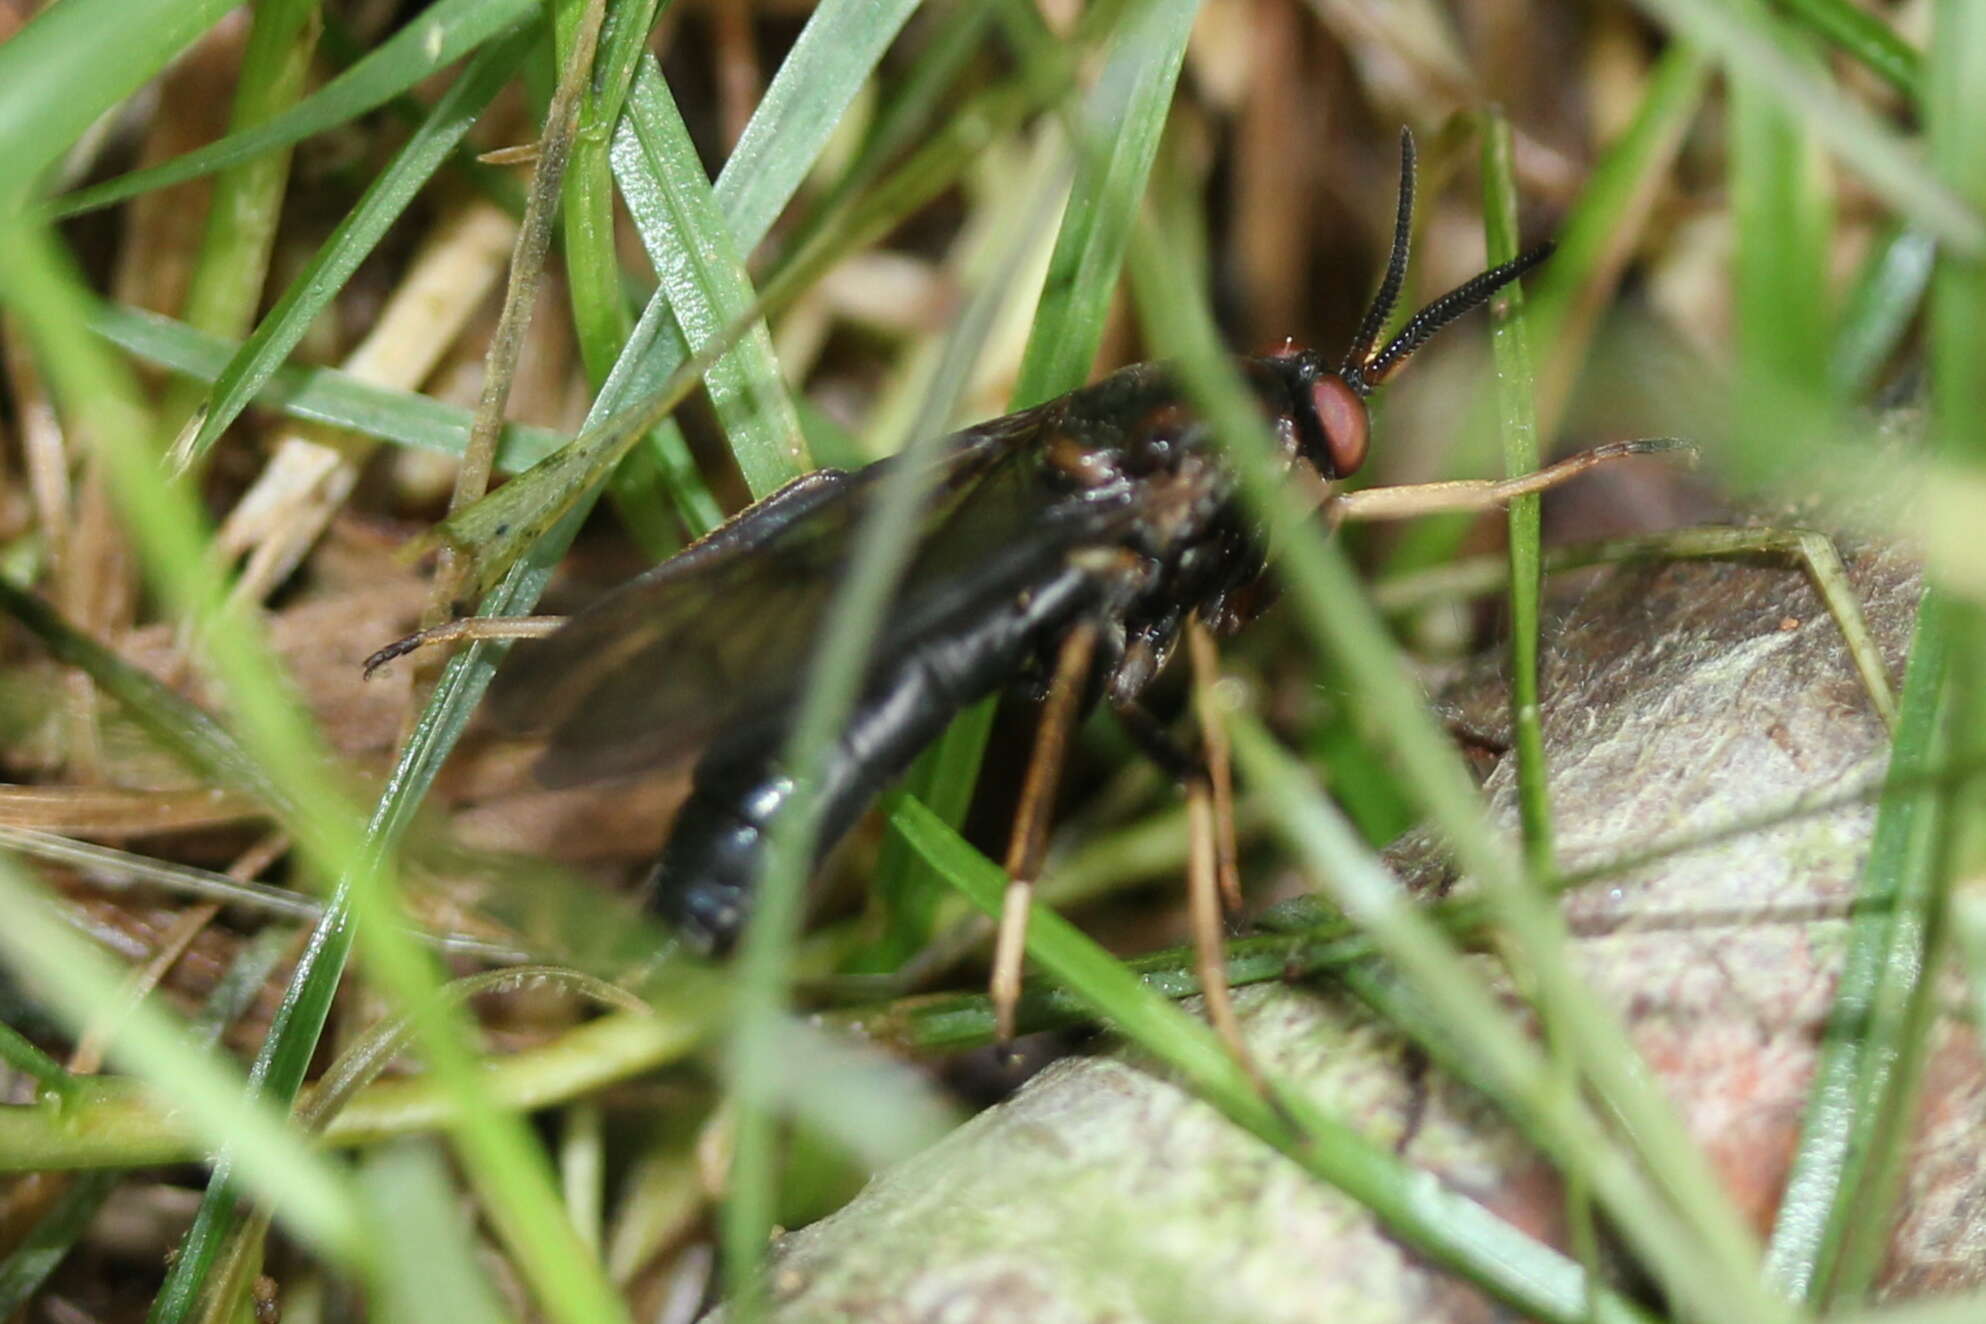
1079	540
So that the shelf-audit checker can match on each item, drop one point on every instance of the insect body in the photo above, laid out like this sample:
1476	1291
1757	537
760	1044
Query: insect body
1108	512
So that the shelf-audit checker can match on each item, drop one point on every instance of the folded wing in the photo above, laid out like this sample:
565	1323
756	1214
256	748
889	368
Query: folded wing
715	643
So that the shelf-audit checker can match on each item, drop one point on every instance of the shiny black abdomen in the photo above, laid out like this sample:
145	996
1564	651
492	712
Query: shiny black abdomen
703	883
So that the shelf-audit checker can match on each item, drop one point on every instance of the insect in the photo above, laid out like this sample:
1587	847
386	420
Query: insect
1074	543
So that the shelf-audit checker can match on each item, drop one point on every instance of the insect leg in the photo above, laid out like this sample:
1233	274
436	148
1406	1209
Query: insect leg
1157	744
466	628
1214	749
1204	906
1409	500
1203	882
1025	848
1208	767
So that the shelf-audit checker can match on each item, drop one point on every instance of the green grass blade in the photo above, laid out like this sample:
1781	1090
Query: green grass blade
1607	222
500	531
1785	221
1321	587
836	52
1748	48
865	203
1118	131
601	313
1961	1308
703	277
1953	107
166	532
882	548
1825	1190
74	62
514	517
18	1052
307	1192
355	237
840	44
638	392
498	1153
906	892
1440	1224
943	779
446	31
877	1108
43	293
1458	1016
430	1267
1947	842
841	662
1879	310
43	1249
114	1123
496	1149
1956	97
638	372
342	49
1868	38
913	106
763	962
186	731
240	233
532	244
1907	1026
1522	454
321	395
28	1266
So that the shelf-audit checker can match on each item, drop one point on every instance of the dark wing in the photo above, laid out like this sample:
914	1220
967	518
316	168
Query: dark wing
718	638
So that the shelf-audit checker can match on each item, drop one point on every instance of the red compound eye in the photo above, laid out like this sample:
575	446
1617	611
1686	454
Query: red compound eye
1342	415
